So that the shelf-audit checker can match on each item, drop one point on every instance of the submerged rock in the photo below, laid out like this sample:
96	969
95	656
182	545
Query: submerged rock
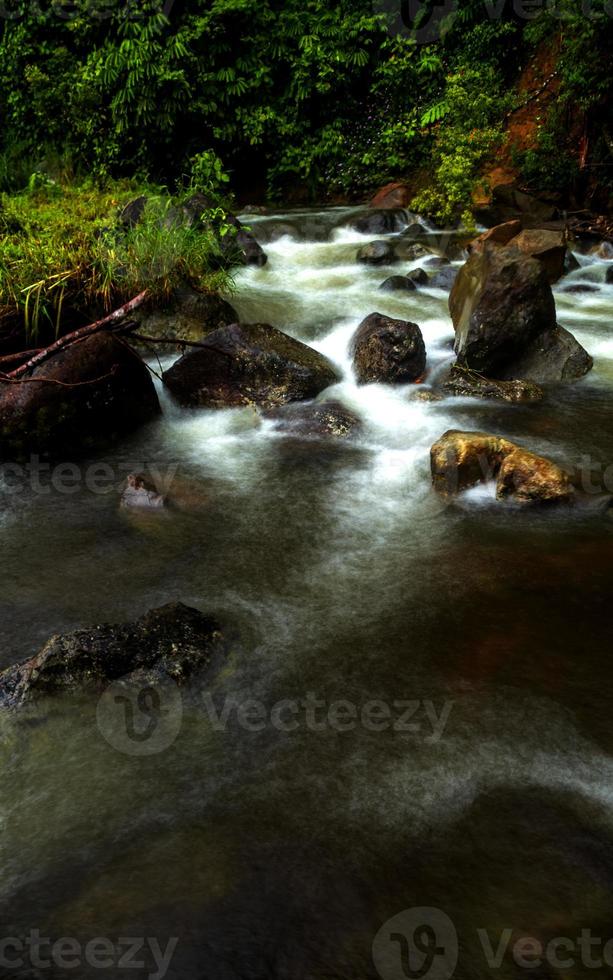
388	350
173	641
444	278
504	316
319	420
419	276
460	460
377	253
245	364
140	494
463	382
398	283
79	399
380	222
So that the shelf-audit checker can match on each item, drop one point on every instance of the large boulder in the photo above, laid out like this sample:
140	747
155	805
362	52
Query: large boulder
79	399
172	642
187	314
504	317
393	195
249	364
549	247
387	350
460	460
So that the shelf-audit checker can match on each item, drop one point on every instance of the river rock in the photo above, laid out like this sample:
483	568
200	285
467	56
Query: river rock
188	314
555	355
504	316
465	383
173	641
420	277
407	251
546	245
114	395
549	247
377	253
382	222
398	283
580	287
393	195
444	278
245	364
460	460
141	494
388	351
498	235
238	245
608	276
319	420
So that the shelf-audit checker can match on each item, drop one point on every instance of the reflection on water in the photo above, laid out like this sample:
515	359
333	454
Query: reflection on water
279	854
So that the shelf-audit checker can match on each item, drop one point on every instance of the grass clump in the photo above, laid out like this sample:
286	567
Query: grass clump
67	255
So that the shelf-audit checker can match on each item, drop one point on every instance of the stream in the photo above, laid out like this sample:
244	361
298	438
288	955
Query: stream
482	783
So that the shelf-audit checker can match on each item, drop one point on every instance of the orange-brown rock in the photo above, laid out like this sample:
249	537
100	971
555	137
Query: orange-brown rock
394	195
460	460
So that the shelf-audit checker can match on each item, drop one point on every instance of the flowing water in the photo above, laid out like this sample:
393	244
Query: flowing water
279	849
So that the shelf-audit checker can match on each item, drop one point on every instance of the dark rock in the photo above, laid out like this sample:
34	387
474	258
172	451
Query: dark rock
465	383
555	355
414	231
436	261
504	317
398	283
570	263
171	642
244	364
114	394
132	213
513	201
378	222
580	287
408	251
608	276
187	314
393	195
377	253
319	420
238	245
444	278
387	350
420	277
463	459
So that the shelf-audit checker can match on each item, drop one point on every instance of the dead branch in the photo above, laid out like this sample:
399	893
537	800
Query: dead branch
70	338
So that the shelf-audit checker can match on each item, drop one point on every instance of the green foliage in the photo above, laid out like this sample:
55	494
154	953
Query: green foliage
64	251
472	128
316	92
